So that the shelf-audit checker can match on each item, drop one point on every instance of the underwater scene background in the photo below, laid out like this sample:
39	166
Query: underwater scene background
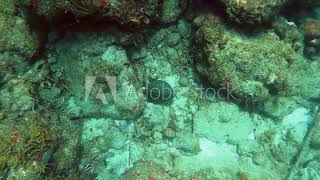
160	89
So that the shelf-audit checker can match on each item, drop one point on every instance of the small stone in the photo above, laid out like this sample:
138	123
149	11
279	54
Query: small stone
184	82
173	39
115	58
169	133
225	117
187	142
184	28
172	52
52	60
157	136
49	94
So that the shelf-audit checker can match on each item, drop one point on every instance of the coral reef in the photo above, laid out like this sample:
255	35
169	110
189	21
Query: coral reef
20	91
146	169
16	36
124	12
252	11
252	68
312	38
25	144
103	76
153	89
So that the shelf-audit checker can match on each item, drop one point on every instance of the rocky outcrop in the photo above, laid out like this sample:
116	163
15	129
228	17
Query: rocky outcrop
252	11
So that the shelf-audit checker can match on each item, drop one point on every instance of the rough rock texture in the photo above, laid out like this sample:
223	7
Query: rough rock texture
24	146
252	11
124	12
50	125
253	68
19	90
290	33
172	10
15	36
100	78
146	170
311	28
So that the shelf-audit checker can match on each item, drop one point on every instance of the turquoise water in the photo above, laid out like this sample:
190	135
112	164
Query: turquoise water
176	89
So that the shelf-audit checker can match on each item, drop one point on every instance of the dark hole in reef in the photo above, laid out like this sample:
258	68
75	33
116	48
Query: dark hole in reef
208	6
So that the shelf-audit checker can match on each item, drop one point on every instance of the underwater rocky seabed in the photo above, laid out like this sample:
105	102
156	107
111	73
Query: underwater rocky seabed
76	81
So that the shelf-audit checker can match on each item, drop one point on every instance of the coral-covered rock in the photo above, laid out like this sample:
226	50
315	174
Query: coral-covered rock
24	145
11	65
252	11
146	170
290	33
124	12
245	67
67	153
16	96
172	9
315	141
15	36
7	7
100	77
304	80
311	28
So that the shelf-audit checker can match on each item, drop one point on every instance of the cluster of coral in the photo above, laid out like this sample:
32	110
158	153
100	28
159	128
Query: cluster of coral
153	89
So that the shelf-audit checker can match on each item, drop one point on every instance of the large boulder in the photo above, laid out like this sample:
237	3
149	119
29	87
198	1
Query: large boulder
124	12
100	77
16	36
252	11
252	67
